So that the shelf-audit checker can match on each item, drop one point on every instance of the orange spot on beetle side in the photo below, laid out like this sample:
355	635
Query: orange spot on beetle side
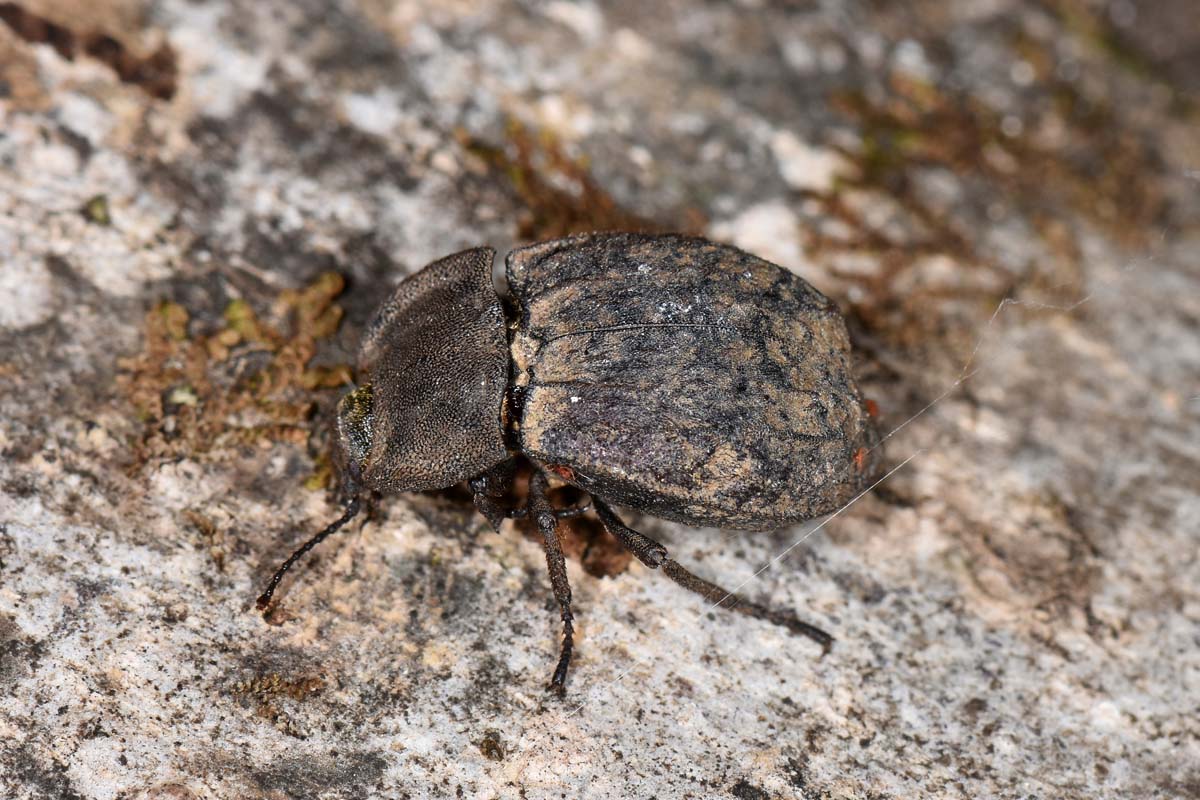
860	458
872	409
564	472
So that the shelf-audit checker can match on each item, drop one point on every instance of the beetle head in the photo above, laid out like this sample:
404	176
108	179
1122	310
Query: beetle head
355	421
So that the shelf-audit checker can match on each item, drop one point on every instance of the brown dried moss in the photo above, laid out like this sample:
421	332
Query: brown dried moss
267	695
1105	175
557	193
273	685
157	74
249	381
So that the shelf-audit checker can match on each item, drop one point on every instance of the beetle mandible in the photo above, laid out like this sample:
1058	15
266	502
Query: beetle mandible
669	374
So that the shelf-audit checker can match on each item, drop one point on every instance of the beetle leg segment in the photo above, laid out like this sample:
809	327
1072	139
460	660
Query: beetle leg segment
647	551
720	597
547	522
573	511
655	556
561	513
494	511
488	488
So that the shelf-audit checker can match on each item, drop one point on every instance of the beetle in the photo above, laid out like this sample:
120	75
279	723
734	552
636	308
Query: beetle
672	375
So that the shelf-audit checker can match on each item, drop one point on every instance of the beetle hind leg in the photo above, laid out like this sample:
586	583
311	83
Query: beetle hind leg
546	518
655	556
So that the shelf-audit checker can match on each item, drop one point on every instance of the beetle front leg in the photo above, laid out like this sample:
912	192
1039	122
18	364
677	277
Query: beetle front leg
547	522
488	488
655	556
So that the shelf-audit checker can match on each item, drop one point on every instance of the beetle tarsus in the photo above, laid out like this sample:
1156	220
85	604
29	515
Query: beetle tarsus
654	555
544	515
558	683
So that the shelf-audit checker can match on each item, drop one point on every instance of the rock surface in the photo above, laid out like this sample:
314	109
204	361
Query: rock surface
200	203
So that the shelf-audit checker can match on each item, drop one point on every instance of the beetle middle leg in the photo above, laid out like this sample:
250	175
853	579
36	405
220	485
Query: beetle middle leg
655	556
490	489
547	522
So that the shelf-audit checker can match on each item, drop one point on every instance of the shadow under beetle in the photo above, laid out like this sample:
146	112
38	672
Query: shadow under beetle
672	375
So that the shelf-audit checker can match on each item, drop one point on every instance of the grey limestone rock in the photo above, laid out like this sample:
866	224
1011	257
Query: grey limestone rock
201	203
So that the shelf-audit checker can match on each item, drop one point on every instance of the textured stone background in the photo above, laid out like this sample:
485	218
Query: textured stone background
181	186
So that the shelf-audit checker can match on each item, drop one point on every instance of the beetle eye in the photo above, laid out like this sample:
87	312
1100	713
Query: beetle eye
355	420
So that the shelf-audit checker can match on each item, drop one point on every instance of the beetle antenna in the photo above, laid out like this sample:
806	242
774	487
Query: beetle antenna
264	599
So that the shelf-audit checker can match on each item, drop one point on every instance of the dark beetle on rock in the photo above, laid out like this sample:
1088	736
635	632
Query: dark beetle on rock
672	375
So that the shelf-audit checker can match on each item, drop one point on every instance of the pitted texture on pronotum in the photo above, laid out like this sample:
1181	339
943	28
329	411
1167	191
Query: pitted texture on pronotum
686	379
436	357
